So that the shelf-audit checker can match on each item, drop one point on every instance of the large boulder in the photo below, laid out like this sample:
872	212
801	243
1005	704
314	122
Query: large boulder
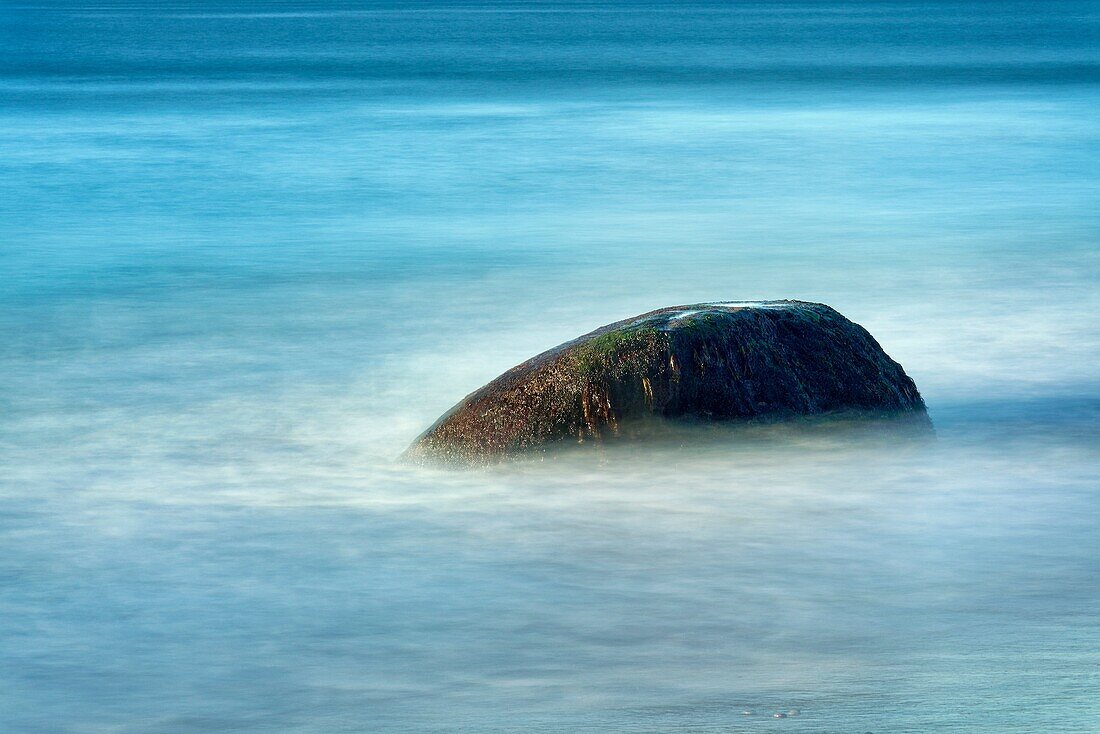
729	361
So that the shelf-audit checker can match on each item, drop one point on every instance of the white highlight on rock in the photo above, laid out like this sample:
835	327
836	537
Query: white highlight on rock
687	313
753	304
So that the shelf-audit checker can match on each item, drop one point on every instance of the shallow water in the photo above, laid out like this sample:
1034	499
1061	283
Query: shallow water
246	257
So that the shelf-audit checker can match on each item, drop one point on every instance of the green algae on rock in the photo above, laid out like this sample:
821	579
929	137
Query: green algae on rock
727	361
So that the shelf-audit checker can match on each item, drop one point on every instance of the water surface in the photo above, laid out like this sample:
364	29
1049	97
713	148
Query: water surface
248	254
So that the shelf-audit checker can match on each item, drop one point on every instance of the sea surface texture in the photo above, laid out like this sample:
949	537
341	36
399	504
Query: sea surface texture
249	251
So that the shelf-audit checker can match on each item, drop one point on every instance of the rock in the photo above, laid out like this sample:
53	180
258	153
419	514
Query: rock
729	361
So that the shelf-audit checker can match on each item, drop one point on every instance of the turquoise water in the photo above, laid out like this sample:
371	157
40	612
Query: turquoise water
247	255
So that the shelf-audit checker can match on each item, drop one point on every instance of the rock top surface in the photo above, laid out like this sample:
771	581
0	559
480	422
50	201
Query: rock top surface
725	361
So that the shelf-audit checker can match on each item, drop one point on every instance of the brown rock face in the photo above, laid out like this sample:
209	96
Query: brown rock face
727	361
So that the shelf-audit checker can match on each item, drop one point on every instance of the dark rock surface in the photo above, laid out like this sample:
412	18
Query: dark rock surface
727	361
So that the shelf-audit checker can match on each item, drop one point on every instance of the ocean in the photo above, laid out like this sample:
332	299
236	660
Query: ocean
249	251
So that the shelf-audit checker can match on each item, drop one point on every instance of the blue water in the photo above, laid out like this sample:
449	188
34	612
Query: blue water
248	253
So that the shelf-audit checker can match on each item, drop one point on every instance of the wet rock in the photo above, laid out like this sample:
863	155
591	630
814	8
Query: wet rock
728	361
